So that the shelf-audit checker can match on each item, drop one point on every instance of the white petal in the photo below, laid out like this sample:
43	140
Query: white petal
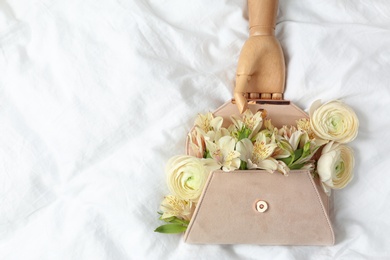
211	165
216	123
326	189
325	166
268	165
316	104
227	144
294	139
245	148
212	147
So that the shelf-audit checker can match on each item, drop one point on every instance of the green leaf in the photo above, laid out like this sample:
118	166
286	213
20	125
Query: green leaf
243	133
287	160
207	154
243	165
171	229
306	147
306	150
170	219
285	145
297	154
175	220
296	166
180	221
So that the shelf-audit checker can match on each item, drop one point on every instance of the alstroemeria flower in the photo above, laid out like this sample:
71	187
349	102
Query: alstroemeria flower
335	166
304	125
210	127
282	168
187	175
172	206
292	135
245	148
299	139
214	136
208	122
309	166
197	143
283	150
248	120
288	140
334	121
268	125
263	148
222	151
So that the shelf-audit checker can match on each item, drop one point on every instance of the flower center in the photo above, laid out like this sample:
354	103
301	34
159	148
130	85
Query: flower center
175	204
339	169
206	124
261	151
230	156
335	124
304	124
249	122
217	155
190	181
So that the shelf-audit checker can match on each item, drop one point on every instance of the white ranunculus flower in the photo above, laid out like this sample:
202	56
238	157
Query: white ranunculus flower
187	175
335	166
334	121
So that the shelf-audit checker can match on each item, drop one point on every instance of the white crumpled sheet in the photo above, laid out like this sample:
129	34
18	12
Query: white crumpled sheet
96	96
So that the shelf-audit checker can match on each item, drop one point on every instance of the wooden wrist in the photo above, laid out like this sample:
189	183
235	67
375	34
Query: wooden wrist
262	16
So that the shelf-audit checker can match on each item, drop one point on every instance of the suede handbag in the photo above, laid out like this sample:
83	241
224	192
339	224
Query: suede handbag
255	206
258	207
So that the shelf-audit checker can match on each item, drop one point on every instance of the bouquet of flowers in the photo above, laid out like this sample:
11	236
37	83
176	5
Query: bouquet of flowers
317	144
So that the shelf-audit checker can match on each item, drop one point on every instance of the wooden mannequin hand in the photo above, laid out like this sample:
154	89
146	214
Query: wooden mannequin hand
260	70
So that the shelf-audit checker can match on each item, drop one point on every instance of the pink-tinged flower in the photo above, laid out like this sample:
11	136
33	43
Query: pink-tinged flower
197	143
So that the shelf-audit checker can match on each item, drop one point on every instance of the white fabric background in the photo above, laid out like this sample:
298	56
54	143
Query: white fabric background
96	96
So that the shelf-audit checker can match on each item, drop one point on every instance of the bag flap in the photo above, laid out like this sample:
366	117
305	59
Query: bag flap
281	112
226	212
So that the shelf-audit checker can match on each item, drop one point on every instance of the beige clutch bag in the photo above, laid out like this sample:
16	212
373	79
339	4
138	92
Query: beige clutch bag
257	207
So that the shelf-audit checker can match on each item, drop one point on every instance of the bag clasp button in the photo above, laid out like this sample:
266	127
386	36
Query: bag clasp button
261	206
